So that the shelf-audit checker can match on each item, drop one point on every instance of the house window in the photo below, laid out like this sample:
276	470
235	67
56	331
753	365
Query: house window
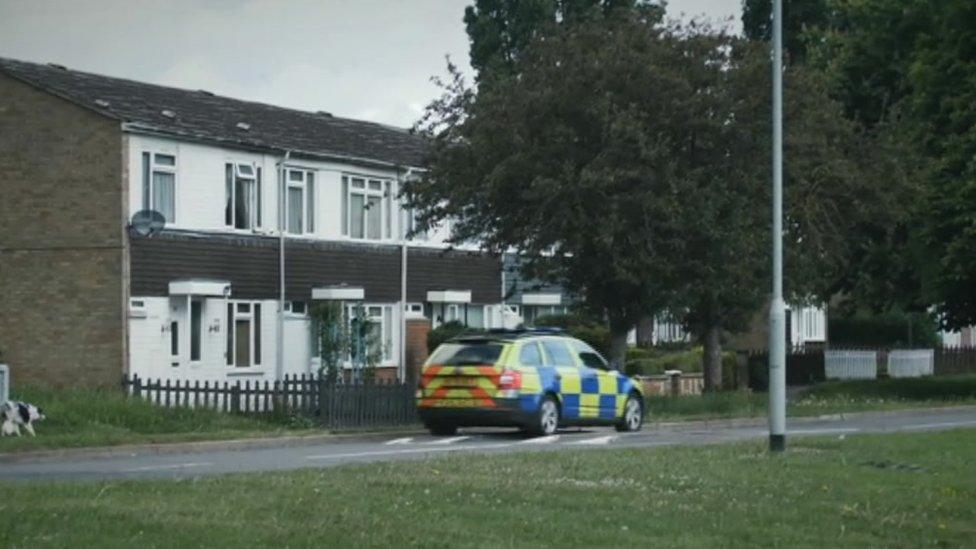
413	225
196	329
243	334
367	208
242	208
159	184
379	330
297	308
300	201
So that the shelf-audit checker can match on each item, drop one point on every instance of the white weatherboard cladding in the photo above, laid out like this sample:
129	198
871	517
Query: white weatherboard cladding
149	342
201	188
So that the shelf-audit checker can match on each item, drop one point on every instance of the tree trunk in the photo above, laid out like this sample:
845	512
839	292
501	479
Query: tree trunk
618	348
645	331
712	367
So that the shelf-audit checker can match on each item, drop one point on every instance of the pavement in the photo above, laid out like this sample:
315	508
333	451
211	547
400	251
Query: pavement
215	458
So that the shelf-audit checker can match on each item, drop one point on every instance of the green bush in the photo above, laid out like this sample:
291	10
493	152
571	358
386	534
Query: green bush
884	330
445	332
593	332
690	361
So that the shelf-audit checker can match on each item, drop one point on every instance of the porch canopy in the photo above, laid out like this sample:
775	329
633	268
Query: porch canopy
196	286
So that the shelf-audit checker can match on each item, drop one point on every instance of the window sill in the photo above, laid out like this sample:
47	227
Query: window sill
243	372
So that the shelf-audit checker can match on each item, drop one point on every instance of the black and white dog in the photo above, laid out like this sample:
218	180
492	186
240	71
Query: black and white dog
14	414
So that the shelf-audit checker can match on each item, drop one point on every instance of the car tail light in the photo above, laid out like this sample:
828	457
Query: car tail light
509	380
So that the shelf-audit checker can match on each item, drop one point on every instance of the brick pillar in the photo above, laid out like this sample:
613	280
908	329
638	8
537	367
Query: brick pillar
416	341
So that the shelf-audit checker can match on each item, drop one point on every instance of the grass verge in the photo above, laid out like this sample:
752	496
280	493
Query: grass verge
866	491
106	417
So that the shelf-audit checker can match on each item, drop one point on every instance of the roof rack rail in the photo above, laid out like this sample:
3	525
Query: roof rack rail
496	333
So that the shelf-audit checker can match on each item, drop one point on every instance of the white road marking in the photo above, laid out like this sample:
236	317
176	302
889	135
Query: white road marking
825	431
541	440
450	440
166	467
409	451
404	440
598	440
938	425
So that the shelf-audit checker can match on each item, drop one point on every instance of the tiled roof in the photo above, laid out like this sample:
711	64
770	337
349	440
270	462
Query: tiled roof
205	116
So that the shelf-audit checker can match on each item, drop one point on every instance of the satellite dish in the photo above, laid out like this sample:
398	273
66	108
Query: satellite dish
147	222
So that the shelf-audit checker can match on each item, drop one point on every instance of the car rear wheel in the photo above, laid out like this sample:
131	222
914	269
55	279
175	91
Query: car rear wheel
546	421
442	429
633	417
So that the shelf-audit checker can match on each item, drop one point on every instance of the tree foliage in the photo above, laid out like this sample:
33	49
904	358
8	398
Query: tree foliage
500	30
905	69
627	160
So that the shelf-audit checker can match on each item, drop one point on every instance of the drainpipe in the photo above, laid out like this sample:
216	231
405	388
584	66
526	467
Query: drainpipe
282	224
402	374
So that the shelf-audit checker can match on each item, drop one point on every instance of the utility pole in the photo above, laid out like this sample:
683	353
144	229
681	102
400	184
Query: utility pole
777	307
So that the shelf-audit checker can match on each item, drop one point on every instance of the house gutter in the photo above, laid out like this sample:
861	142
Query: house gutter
282	184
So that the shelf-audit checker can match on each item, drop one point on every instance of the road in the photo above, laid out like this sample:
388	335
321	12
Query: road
474	441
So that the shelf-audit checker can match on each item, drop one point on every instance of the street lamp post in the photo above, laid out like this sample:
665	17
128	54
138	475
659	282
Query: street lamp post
777	307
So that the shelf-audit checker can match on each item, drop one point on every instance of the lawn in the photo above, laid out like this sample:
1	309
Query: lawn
904	490
825	398
89	417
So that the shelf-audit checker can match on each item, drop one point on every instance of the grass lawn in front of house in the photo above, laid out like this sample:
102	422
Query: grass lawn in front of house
906	490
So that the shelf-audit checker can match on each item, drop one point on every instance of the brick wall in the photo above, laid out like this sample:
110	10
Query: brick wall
62	245
416	341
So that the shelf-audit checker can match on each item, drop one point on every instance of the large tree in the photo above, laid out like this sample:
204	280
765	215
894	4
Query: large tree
499	30
629	160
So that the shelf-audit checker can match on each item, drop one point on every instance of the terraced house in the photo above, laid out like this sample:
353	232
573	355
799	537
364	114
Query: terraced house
266	210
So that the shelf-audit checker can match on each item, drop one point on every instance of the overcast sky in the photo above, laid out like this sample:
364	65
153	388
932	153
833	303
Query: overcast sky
367	59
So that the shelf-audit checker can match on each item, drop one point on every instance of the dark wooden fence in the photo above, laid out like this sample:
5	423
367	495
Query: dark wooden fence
955	360
806	365
333	404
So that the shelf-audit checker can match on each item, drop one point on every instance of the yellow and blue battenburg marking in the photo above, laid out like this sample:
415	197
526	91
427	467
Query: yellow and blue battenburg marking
584	393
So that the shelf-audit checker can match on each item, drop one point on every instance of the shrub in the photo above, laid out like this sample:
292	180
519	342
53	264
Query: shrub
445	332
593	332
884	330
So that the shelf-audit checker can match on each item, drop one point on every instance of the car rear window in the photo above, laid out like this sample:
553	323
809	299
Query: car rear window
454	354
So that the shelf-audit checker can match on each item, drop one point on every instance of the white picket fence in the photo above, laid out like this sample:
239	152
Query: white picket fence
851	364
911	363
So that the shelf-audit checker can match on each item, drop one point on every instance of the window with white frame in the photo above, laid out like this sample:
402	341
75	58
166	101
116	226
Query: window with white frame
299	201
159	184
296	308
412	228
243	334
242	208
367	208
379	330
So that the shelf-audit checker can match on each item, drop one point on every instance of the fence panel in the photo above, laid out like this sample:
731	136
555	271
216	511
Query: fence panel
851	364
955	360
331	404
911	363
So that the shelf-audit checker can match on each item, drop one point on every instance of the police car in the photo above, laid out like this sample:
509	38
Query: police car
537	380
